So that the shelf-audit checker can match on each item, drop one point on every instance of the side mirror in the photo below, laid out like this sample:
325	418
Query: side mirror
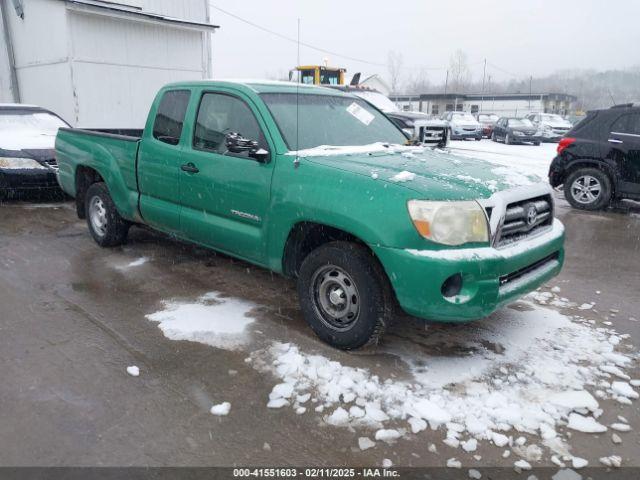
236	143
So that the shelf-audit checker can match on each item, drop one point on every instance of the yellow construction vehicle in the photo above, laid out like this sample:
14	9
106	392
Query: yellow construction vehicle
318	75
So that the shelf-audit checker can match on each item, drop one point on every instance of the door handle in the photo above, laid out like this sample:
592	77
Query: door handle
189	168
615	140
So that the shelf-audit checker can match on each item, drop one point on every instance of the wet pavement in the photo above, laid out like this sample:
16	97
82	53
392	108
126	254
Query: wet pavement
72	318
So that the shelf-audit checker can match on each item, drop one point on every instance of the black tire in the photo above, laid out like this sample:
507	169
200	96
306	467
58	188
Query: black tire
373	297
507	139
537	144
113	228
493	137
478	139
573	193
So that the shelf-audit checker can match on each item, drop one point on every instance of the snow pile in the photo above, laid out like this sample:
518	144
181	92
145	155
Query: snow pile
221	409
213	320
536	382
133	371
403	176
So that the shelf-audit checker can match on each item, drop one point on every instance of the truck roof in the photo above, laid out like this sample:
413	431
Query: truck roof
262	86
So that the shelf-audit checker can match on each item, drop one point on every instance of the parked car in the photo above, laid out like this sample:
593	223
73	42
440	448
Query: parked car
463	125
599	159
488	121
515	130
419	126
27	157
316	184
552	127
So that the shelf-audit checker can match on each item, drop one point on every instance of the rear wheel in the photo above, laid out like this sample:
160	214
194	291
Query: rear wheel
106	225
588	189
344	295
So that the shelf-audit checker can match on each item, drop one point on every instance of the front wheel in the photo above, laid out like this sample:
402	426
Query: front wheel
588	189
107	227
507	139
344	295
493	137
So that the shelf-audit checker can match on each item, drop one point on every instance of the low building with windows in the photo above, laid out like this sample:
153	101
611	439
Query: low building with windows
506	104
99	63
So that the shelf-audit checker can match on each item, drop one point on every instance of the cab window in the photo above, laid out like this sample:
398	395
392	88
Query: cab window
169	121
219	115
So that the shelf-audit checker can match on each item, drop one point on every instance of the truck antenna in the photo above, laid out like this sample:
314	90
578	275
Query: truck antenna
296	162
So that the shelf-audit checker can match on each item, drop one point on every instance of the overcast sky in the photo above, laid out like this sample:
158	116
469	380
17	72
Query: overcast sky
522	37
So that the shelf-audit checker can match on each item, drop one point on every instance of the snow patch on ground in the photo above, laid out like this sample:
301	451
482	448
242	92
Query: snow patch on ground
520	161
133	371
214	320
536	382
136	263
221	409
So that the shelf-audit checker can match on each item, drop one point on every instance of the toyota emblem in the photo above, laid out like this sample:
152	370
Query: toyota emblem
532	215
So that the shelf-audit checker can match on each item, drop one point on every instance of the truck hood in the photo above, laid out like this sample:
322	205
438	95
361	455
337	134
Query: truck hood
433	174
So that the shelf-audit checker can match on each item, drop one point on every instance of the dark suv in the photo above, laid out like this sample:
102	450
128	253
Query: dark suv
599	159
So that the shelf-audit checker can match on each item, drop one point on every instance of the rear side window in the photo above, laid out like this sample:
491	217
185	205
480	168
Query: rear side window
170	117
629	123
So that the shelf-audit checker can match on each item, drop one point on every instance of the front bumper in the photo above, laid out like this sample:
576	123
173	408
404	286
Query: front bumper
527	138
28	179
491	277
462	134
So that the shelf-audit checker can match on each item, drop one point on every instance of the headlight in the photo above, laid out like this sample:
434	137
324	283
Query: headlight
547	128
518	133
11	163
449	223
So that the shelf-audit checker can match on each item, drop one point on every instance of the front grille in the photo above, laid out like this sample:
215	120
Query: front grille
525	218
431	134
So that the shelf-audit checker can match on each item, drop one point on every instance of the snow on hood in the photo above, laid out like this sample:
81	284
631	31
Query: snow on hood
421	169
27	139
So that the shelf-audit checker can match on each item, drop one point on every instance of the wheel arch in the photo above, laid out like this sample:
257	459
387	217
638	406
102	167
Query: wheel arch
84	178
591	163
304	237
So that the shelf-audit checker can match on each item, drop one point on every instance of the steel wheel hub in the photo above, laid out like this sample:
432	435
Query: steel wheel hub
335	297
98	216
586	189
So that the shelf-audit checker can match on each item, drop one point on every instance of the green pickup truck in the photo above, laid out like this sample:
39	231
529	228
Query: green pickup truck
320	186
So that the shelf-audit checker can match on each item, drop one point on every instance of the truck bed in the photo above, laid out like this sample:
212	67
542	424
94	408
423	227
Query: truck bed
110	153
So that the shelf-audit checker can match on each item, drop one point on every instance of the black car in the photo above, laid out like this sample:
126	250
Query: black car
515	130
27	155
599	159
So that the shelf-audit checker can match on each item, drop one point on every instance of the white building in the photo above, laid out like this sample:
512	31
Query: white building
508	104
99	63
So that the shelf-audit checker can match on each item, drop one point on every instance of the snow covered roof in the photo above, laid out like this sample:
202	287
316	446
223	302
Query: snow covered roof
132	12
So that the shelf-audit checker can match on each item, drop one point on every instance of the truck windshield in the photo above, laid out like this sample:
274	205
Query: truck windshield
310	120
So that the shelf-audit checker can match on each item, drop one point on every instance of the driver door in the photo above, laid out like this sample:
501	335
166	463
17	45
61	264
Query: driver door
225	195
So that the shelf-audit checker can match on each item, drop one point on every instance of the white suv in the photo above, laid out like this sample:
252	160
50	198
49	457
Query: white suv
551	127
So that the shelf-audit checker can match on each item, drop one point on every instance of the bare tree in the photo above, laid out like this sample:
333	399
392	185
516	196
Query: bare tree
418	83
459	72
394	66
